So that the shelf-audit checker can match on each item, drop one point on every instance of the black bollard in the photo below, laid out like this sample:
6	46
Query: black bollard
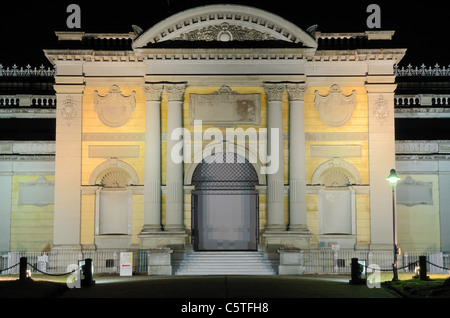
87	273
23	270
356	273
423	267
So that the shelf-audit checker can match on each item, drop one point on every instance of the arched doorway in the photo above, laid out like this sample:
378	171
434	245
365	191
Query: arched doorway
225	204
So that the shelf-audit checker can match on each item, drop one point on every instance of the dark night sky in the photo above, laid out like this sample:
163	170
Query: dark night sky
28	27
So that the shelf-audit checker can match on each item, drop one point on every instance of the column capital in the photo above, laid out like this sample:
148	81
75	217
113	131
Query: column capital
274	91
296	91
175	91
153	92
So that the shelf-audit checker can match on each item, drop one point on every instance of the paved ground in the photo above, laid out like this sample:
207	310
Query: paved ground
188	287
197	294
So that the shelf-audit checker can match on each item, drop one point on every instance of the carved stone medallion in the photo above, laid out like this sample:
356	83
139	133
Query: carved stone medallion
335	109
114	109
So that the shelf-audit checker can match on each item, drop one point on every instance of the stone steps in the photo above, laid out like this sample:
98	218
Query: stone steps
224	263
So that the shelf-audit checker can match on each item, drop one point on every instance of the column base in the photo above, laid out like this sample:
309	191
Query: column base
291	261
163	239
286	239
159	261
299	228
151	228
174	228
275	228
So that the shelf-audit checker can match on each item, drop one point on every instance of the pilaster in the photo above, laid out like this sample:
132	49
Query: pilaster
67	206
381	161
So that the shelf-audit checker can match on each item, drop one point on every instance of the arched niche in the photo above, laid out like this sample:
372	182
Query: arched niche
113	203
336	197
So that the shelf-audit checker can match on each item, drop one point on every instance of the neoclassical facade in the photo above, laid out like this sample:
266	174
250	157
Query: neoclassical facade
224	127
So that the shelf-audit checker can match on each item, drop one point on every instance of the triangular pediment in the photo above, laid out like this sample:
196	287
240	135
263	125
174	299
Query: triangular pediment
224	23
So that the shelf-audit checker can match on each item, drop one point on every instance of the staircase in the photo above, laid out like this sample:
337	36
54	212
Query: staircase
224	263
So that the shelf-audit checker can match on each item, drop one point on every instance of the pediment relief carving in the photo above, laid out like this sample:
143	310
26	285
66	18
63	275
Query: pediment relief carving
225	32
335	109
224	23
114	109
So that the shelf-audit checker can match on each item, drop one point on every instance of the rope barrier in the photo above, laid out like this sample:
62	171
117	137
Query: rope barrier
408	265
438	266
8	268
38	270
63	274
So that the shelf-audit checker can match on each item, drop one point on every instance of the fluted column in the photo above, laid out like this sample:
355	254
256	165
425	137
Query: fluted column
174	173
275	181
152	177
297	168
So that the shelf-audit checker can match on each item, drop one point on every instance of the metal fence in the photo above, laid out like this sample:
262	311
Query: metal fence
328	261
57	262
315	261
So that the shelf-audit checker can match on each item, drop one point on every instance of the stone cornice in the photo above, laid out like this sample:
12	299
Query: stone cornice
422	147
27	148
91	56
24	112
27	158
78	36
358	55
224	54
371	35
422	112
140	55
420	157
309	54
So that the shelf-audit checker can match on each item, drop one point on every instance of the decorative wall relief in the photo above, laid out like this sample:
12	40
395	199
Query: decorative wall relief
335	109
381	110
412	192
68	110
39	192
225	107
114	109
336	172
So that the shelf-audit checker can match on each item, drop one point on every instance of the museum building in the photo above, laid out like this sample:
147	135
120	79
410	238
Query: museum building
223	128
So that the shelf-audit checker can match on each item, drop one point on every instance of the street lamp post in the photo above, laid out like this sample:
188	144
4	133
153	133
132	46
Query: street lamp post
393	178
